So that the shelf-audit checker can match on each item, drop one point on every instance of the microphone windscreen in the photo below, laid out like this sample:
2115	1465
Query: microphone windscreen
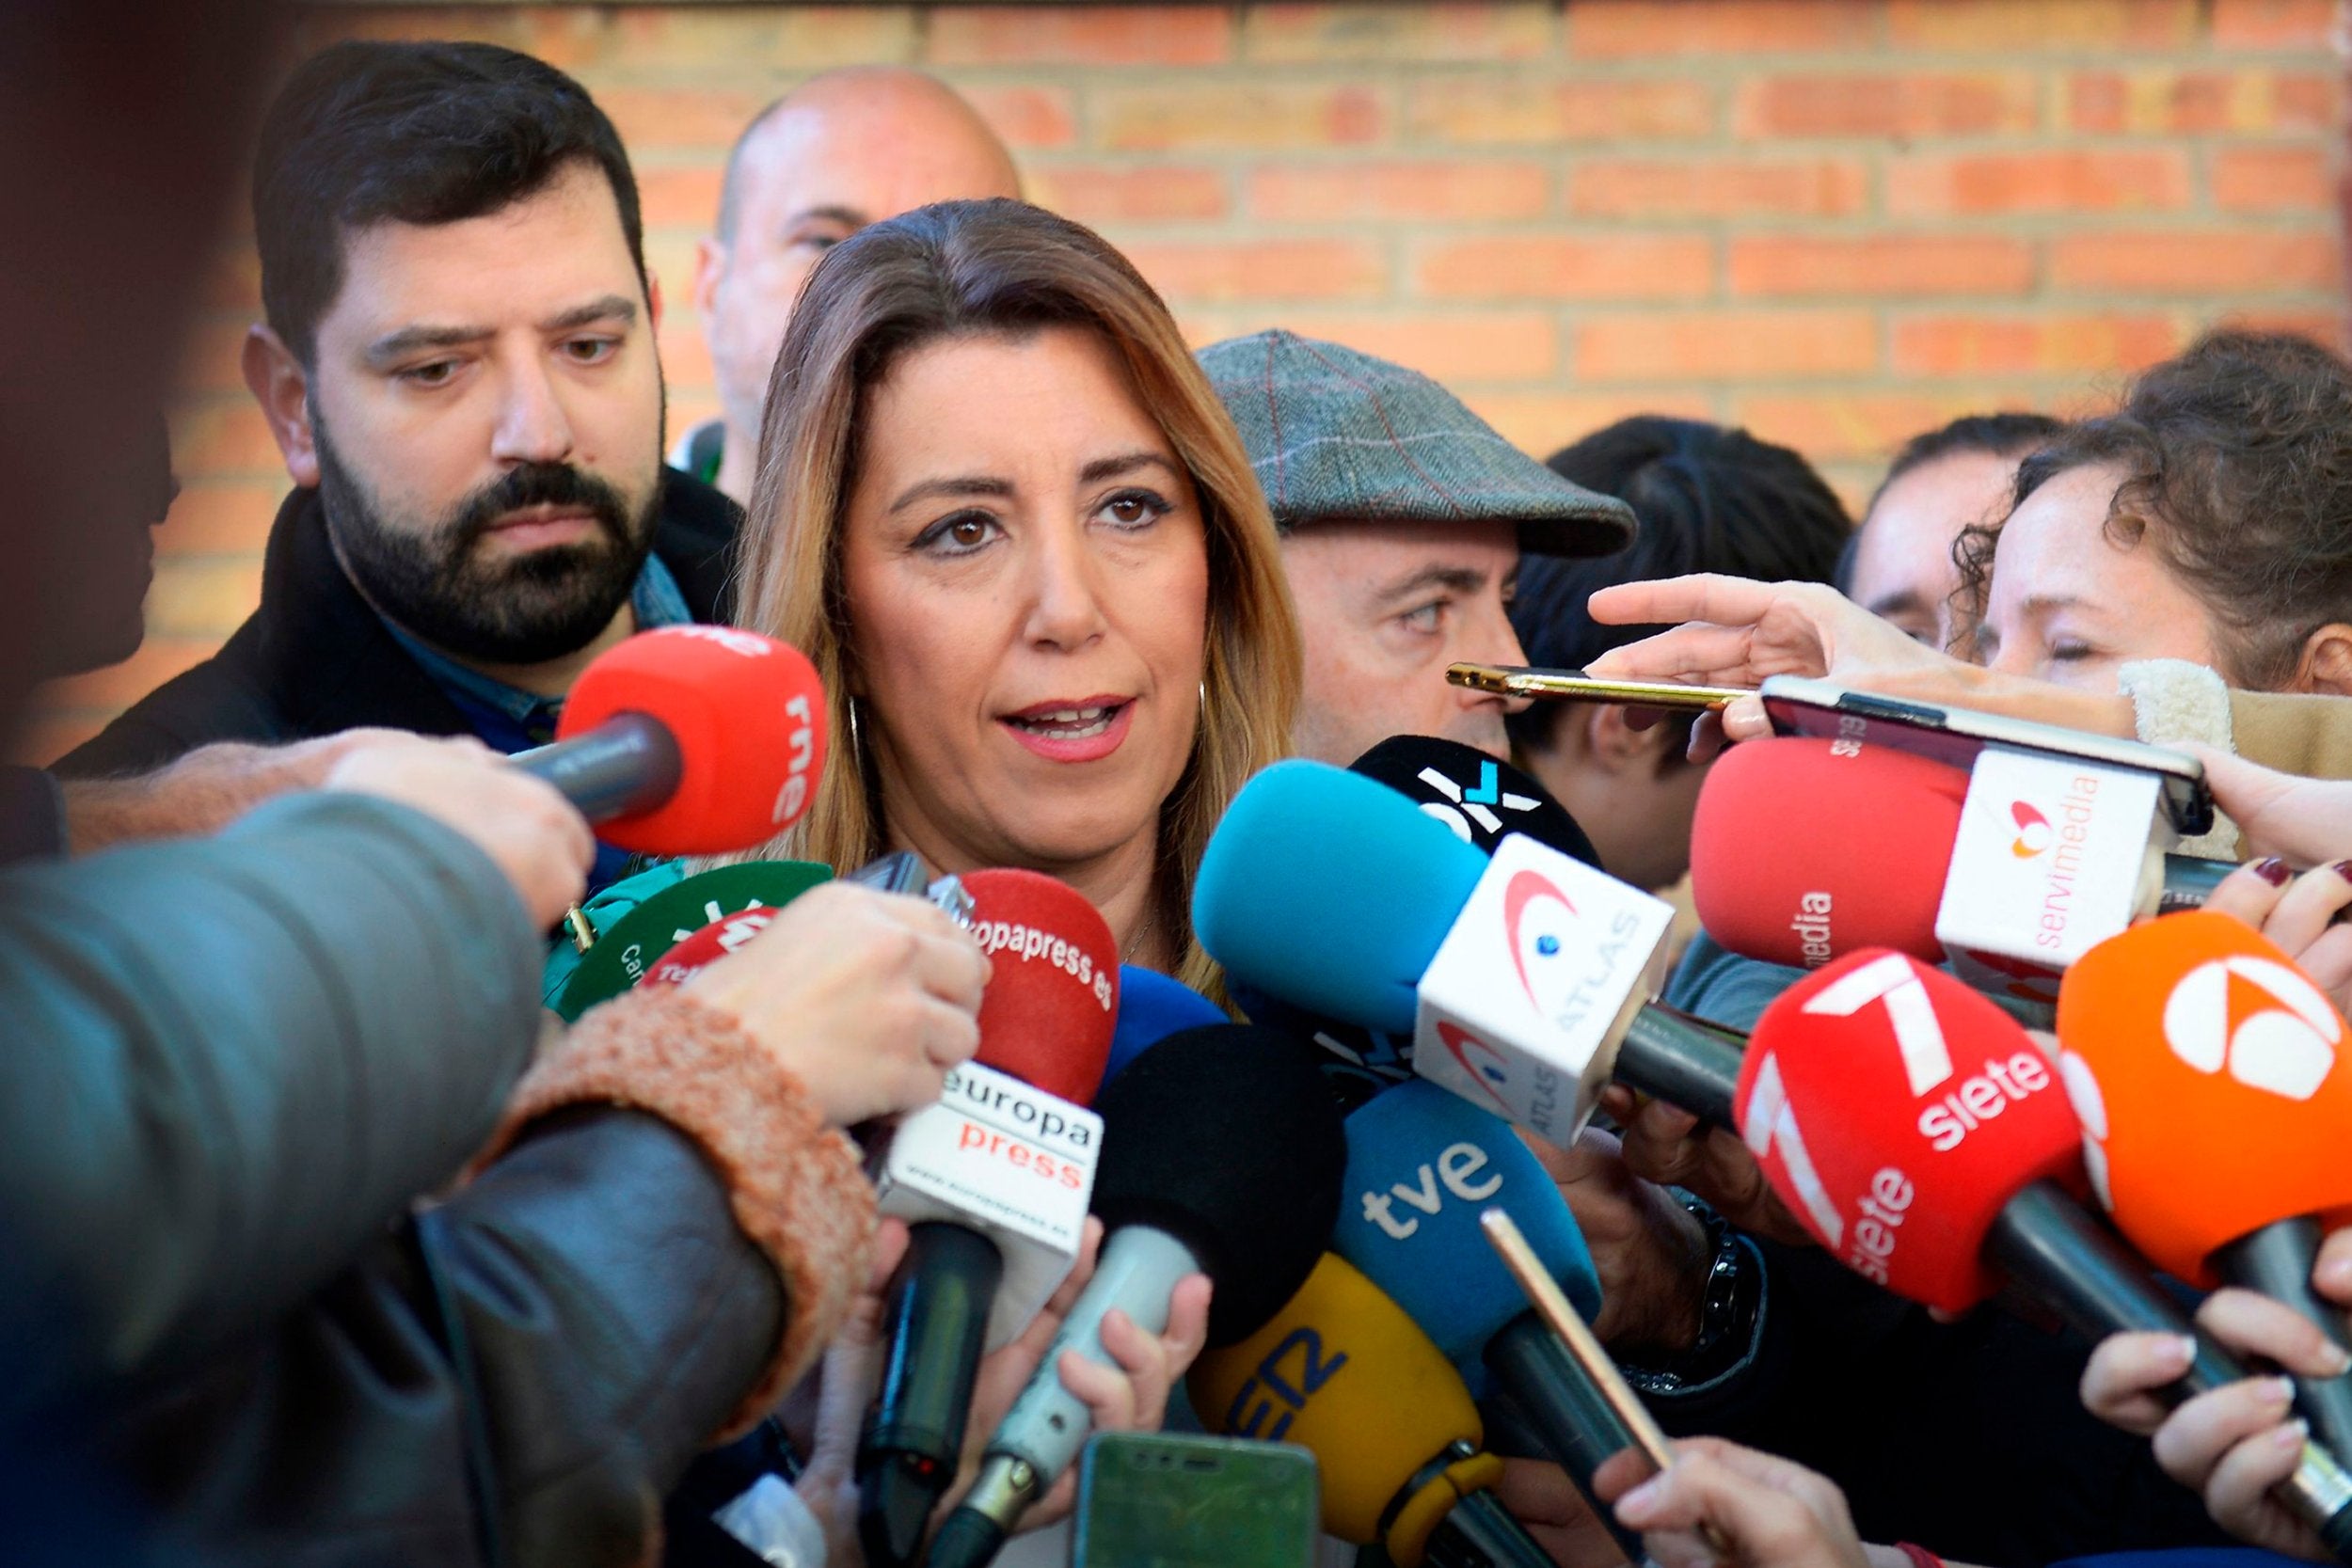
1480	799
1343	1372
749	718
1331	891
1151	1006
1052	994
1226	1138
703	948
1895	1112
627	944
1423	1163
2206	1071
1802	851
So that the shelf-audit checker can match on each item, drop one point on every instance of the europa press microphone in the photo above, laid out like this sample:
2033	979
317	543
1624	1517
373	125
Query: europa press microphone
1421	1165
1526	980
689	740
996	1174
1804	849
1343	1371
1922	1138
2207	1073
1222	1154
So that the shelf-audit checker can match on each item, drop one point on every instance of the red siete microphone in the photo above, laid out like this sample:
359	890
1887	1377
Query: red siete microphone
2207	1071
1804	849
1046	1020
689	740
1925	1140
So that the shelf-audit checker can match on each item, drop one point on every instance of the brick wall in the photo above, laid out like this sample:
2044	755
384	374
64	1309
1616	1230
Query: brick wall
1834	221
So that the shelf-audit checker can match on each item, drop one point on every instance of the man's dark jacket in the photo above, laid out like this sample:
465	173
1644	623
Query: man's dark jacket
314	659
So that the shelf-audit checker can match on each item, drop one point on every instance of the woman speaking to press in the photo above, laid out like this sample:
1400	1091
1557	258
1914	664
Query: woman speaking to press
1001	507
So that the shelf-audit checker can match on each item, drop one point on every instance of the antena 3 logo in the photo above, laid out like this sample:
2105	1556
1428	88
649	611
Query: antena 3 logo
2261	1019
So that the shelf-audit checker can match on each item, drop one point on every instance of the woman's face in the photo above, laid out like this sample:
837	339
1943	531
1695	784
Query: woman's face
1027	573
2071	603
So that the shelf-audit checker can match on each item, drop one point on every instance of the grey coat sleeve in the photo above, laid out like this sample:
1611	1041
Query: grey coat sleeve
229	1062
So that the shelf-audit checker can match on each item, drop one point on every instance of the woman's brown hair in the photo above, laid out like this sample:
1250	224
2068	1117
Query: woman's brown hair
1001	267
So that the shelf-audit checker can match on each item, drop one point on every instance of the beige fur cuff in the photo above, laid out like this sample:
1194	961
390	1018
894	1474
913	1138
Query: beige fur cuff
796	1186
2174	701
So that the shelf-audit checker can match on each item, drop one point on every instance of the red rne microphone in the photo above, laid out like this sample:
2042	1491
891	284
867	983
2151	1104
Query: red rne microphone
995	1181
689	740
1923	1138
2210	1076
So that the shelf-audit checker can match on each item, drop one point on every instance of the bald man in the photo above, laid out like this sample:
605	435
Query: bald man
838	152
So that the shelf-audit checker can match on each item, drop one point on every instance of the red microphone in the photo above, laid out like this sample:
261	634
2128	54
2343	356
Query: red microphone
689	740
1923	1138
698	950
1046	1022
2207	1071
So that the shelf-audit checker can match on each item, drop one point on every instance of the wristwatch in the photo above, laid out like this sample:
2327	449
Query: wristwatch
1731	1311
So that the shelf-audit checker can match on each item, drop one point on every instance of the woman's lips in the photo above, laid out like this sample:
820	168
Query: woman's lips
1075	732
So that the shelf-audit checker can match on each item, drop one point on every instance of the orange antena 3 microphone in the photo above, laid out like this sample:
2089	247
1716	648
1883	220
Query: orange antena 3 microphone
2207	1071
689	740
1926	1141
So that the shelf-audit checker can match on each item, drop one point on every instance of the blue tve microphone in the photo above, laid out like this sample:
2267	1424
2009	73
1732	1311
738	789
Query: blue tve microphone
1151	1006
1223	1153
1421	1165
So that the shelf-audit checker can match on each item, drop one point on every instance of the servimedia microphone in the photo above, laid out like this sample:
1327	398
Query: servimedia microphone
1924	1140
1345	1374
1526	980
2208	1072
1222	1155
689	740
995	1171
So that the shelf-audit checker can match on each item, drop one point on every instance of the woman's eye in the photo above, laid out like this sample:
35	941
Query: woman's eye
1135	509
959	534
2070	653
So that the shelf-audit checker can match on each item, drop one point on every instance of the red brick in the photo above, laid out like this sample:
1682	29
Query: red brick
1026	117
691	118
2273	23
1120	193
1826	426
1717	187
2271	179
674	196
696	43
1242	116
1541	423
220	517
2057	180
1456	347
1261	269
1548	267
119	686
2043	344
1480	31
1356	190
2196	262
222	435
1630	29
2165	101
2035	26
1079	35
1883	264
2321	323
1487	111
1887	105
1726	345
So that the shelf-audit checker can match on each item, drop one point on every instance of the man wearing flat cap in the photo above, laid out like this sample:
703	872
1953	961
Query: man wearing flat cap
1403	515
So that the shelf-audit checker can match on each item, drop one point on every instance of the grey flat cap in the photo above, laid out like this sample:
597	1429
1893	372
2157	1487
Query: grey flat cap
1336	434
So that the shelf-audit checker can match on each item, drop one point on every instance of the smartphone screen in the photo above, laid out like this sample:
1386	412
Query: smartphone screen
1157	1499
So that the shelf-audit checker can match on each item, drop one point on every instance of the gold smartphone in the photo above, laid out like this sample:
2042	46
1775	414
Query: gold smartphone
1575	686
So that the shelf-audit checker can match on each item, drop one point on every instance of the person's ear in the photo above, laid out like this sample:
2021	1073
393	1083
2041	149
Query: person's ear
278	383
2325	666
710	265
1618	747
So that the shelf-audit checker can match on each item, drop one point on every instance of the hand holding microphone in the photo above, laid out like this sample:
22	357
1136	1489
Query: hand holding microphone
2303	916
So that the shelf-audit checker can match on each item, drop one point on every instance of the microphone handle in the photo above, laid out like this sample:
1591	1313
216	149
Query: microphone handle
1568	1415
2275	1261
1681	1061
1048	1424
2189	881
1478	1533
2043	1238
934	1328
627	764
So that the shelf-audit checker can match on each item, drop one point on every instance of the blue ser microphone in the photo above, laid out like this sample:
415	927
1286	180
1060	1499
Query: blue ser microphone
1422	1164
1151	1006
1222	1154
